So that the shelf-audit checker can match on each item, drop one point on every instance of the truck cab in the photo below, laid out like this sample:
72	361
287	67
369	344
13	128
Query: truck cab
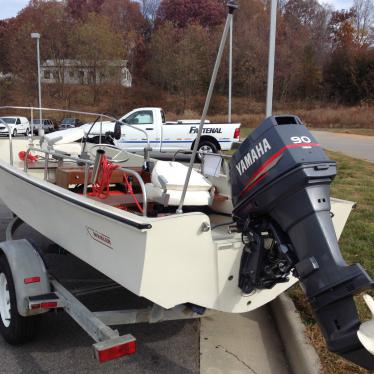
149	120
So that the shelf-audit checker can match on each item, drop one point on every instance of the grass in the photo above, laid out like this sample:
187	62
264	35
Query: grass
355	182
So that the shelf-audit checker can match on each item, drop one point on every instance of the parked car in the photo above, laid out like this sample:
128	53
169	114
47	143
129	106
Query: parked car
18	125
69	123
47	125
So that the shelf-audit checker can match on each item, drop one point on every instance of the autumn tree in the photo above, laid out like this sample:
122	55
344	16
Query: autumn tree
207	13
181	59
127	20
96	44
80	9
49	19
303	46
349	71
4	45
250	52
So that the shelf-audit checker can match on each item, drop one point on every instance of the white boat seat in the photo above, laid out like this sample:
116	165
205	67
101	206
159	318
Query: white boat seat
167	185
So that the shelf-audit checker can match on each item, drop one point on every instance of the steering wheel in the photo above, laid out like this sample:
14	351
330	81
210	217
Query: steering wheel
114	159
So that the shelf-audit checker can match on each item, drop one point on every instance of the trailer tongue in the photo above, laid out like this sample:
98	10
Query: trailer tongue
281	180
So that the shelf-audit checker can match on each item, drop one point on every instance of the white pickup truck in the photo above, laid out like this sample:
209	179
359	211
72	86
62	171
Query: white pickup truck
166	136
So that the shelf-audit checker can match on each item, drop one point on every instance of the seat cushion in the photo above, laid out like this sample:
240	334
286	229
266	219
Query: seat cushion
192	198
173	174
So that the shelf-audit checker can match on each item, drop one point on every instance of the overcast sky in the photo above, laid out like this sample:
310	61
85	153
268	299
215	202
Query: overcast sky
10	8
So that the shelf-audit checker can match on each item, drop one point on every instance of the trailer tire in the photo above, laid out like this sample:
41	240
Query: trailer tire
14	328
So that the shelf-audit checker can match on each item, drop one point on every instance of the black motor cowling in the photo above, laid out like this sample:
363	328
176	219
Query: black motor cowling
280	179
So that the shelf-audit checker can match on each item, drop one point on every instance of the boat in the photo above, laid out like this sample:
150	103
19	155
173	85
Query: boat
229	234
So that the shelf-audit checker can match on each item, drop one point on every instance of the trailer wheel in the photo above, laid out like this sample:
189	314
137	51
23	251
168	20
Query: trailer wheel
14	328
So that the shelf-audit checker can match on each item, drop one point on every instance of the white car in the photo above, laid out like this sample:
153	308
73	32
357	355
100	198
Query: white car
18	125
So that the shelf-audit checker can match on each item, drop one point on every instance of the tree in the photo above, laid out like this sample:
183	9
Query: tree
149	9
95	44
49	19
79	9
207	13
342	31
300	59
364	21
4	45
340	77
181	59
250	52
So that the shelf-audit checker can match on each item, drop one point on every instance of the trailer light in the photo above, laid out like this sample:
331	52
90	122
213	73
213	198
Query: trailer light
49	305
31	280
237	133
106	351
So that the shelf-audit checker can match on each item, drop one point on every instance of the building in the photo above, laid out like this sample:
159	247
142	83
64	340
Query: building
75	72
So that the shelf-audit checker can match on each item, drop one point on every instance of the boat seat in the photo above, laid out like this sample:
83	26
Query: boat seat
167	181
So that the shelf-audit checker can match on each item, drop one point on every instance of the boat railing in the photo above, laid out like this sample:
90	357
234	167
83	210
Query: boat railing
87	165
82	113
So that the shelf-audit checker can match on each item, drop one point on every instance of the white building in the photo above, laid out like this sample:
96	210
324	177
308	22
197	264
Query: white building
75	72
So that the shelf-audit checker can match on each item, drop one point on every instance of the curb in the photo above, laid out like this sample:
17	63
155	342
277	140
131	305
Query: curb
300	353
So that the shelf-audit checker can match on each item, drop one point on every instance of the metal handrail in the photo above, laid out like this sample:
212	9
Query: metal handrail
142	185
188	151
88	164
10	141
101	115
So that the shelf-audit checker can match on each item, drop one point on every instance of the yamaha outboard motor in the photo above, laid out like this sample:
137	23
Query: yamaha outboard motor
281	180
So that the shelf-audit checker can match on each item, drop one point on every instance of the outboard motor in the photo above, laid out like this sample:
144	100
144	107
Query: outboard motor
280	179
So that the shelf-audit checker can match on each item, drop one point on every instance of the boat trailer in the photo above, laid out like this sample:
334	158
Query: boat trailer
36	292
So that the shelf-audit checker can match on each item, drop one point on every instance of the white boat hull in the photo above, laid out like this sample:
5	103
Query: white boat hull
167	260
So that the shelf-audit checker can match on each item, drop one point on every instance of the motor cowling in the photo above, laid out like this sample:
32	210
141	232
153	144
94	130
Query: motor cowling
280	178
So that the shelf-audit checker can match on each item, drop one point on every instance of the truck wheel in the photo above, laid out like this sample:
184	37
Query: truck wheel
27	132
14	132
14	328
207	147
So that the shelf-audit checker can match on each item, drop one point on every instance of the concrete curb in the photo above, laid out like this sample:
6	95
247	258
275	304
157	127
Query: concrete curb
300	353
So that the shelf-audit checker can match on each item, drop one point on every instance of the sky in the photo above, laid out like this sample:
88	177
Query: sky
10	8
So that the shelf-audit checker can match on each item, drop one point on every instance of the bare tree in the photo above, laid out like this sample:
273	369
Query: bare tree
364	21
149	9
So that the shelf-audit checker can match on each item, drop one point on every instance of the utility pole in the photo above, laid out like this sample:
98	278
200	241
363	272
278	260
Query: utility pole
270	84
36	36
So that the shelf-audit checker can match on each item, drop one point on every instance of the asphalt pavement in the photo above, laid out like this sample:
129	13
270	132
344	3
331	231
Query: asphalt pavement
358	146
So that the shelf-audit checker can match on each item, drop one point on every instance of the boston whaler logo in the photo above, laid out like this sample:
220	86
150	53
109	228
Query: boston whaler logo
99	237
253	155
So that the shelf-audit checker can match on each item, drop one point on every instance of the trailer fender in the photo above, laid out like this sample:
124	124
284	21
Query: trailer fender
28	271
